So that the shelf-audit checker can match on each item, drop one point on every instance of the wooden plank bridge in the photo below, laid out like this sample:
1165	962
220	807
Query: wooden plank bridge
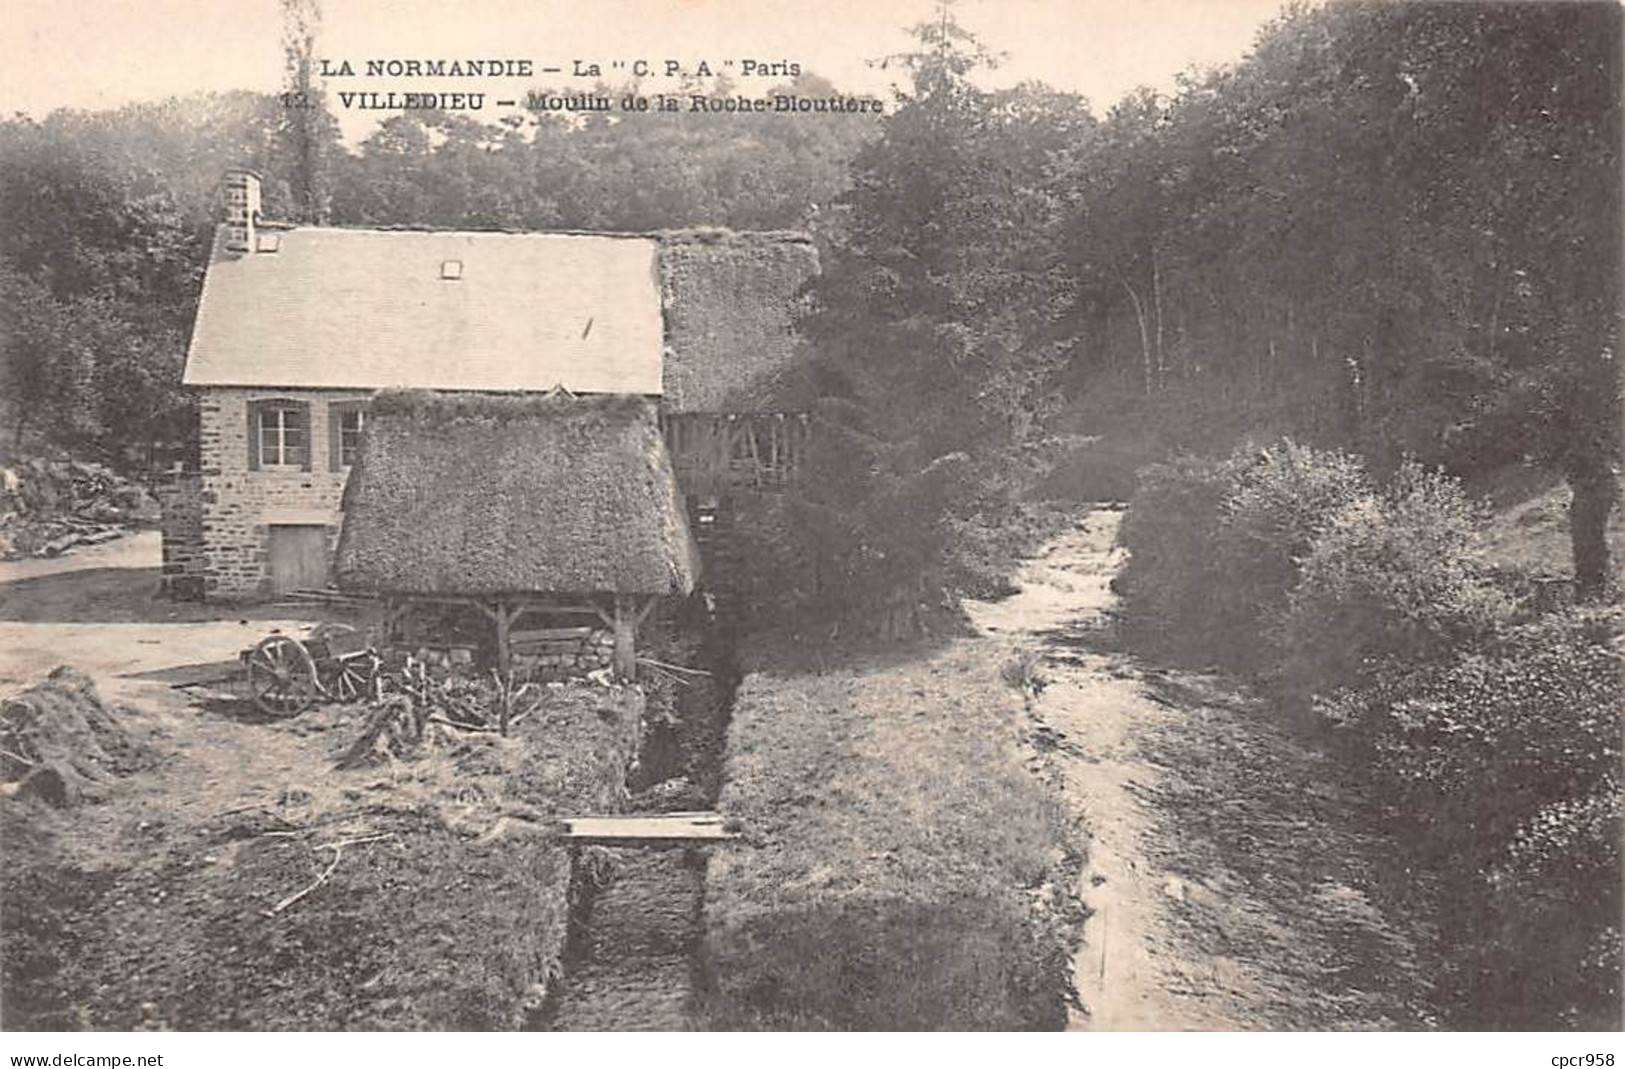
655	830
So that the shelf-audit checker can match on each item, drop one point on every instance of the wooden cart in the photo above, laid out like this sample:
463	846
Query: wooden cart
286	676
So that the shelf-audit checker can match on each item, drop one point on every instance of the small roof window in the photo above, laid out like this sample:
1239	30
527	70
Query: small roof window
451	269
267	242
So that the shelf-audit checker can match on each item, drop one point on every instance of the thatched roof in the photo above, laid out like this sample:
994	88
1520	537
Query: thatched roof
457	494
730	303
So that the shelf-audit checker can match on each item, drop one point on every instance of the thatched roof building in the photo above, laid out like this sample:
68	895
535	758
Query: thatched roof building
475	495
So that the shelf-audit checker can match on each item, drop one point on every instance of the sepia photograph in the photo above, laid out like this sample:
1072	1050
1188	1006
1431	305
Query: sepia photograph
908	516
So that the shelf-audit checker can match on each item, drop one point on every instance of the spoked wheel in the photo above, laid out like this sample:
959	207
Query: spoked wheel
281	676
353	677
330	629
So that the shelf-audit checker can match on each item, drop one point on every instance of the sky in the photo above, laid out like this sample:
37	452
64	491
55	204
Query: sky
104	53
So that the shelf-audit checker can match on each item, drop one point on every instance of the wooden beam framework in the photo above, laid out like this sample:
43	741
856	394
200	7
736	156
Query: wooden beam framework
716	452
621	613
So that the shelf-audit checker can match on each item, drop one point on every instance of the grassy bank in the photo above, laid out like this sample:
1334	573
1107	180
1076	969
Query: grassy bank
441	908
903	864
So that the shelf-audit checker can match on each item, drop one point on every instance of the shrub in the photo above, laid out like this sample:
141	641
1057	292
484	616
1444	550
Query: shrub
1495	742
858	539
1280	501
1393	576
1474	746
1168	585
1215	546
1501	764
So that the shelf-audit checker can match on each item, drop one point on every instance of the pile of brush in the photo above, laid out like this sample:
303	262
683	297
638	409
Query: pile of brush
60	744
48	507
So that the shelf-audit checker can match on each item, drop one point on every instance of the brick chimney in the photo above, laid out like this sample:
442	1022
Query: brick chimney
242	189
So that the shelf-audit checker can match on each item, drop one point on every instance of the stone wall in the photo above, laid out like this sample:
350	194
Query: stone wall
184	563
236	507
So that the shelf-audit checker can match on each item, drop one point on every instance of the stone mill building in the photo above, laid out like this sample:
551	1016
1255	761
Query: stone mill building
298	327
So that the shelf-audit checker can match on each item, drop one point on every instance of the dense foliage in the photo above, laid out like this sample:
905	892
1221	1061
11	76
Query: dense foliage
1394	574
1492	734
1378	232
1502	761
934	333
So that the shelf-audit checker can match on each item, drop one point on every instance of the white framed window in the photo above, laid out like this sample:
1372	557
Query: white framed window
279	434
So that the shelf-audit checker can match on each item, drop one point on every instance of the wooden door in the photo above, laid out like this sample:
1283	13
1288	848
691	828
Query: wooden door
298	557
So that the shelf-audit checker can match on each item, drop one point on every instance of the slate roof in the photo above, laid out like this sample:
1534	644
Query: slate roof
368	309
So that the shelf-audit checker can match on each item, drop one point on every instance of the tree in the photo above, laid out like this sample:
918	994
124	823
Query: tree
939	297
933	325
112	215
1379	231
308	134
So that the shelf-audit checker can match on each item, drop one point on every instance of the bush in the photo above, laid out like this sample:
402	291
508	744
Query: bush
1474	746
1495	743
1393	576
1280	501
858	540
1501	765
1168	586
1215	546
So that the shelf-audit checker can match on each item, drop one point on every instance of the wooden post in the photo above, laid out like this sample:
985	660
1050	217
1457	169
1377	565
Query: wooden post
503	619
625	628
498	612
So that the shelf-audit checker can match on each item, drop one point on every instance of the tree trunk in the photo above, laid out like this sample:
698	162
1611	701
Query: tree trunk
1145	337
1156	304
1596	494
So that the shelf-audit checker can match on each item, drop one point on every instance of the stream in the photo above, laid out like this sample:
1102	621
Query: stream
1232	875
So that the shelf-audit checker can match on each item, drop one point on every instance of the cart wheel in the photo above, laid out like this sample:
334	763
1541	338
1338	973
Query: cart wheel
328	628
281	676
353	678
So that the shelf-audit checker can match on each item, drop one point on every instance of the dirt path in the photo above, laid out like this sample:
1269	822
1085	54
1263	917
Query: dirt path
140	549
1232	883
99	610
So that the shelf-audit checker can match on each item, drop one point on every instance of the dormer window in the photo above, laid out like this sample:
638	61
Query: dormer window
279	435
